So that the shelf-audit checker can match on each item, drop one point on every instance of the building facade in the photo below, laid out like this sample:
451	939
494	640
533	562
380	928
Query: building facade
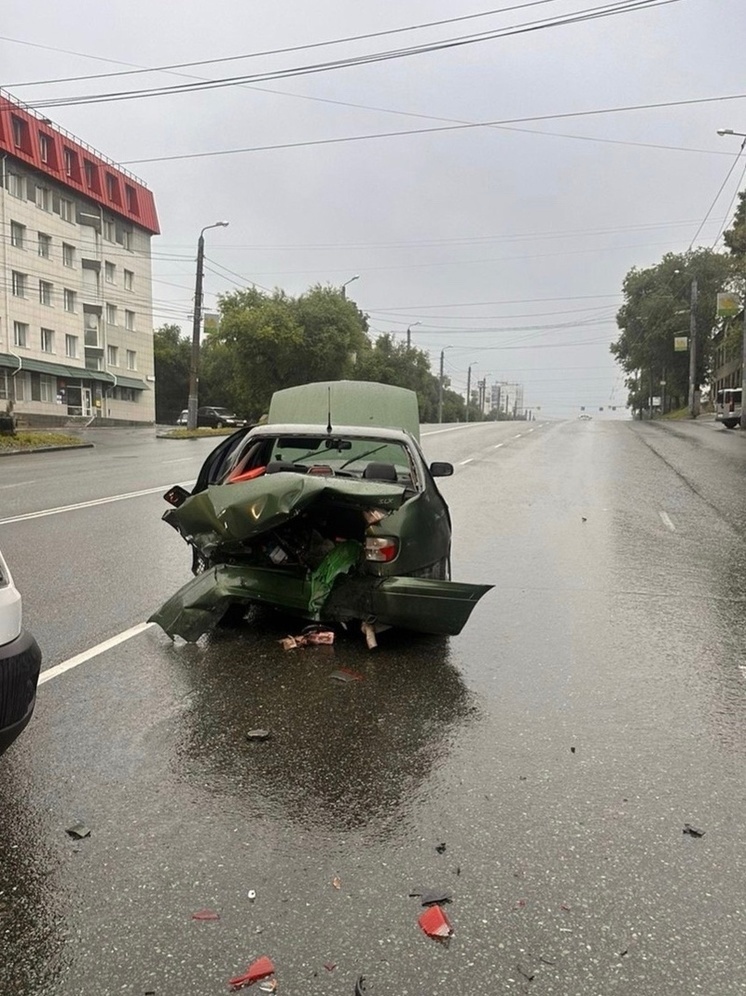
76	305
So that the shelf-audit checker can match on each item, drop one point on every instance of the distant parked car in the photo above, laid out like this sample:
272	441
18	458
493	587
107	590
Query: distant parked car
728	407
20	661
212	417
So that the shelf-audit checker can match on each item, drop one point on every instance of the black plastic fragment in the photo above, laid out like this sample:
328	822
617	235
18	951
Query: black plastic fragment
360	986
440	848
434	896
693	831
78	831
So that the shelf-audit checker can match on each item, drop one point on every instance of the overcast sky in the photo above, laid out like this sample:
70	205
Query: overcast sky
505	247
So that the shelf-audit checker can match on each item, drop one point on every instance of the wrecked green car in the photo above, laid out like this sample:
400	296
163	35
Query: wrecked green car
328	511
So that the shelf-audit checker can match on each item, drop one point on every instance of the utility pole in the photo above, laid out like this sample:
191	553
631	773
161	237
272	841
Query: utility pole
440	388
409	334
693	350
743	372
468	392
196	324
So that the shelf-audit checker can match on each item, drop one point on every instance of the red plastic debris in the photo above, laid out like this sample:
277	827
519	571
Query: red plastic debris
330	965
205	915
435	923
258	969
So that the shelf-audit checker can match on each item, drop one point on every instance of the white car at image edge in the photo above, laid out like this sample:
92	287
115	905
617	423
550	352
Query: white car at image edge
20	662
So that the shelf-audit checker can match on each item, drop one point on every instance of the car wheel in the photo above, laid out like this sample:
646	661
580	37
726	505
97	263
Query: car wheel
731	423
218	424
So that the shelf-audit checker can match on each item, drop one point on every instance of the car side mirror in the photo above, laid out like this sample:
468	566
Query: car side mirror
441	469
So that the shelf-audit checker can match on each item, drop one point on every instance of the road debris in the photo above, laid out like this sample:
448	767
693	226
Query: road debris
313	638
429	897
526	971
78	831
345	675
369	632
258	735
251	895
435	923
693	831
205	915
440	848
337	882
330	965
268	987
360	986
258	969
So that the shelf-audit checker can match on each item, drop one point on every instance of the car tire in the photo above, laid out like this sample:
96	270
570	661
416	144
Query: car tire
218	424
731	423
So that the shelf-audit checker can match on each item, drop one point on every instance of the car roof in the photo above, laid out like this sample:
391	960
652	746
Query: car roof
357	403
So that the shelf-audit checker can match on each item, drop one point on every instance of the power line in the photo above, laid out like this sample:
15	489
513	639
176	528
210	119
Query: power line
717	195
255	55
589	14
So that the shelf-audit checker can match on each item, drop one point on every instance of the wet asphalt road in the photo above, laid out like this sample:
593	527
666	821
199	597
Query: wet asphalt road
594	704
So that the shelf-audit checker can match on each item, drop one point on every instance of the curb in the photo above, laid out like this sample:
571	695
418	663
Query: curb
45	449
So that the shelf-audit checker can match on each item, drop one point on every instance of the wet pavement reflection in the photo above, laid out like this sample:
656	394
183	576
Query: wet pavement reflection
341	756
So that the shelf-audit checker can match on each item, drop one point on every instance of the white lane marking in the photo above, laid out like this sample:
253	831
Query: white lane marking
517	435
497	446
453	428
20	484
86	504
530	430
469	460
666	519
100	648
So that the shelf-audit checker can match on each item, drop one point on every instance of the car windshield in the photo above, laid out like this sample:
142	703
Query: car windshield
349	456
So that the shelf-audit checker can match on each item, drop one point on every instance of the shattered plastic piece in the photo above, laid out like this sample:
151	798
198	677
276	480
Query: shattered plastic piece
251	895
330	965
258	735
78	831
435	923
693	831
440	848
572	750
337	882
360	986
369	632
268	987
314	638
345	675
525	971
434	896
257	970
205	915
288	643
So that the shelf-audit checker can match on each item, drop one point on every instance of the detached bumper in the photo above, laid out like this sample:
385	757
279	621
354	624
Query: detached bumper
420	604
20	663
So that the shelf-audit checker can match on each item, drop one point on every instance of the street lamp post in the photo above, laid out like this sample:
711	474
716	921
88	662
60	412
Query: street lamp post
409	334
693	351
468	391
194	369
740	134
440	384
344	292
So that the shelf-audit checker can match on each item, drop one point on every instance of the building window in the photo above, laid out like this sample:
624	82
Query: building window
129	280
17	235
110	231
109	271
44	147
72	168
94	363
126	394
45	292
47	340
67	209
111	314
19	281
22	383
91	175
127	238
68	254
43	198
47	388
16	186
20	132
3	385
112	356
20	334
131	359
45	245
112	189
69	299
129	321
71	346
131	193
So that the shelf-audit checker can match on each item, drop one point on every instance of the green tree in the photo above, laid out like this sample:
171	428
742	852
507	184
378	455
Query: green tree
655	310
272	341
172	358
